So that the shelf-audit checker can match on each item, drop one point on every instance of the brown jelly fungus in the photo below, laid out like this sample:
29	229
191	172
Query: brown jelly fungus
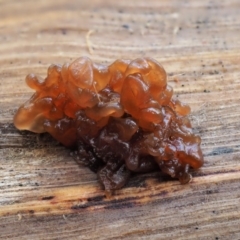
120	118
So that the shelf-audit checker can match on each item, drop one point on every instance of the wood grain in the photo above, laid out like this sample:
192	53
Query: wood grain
46	195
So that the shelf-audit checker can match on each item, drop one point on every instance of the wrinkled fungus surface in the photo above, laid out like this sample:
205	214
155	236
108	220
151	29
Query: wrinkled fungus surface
121	118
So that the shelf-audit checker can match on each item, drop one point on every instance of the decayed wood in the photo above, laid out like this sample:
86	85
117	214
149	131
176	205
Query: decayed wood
46	195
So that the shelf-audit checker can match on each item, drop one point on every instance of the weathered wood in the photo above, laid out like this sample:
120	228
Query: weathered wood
46	195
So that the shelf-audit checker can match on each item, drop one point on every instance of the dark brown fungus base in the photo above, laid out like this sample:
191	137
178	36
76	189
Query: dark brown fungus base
121	118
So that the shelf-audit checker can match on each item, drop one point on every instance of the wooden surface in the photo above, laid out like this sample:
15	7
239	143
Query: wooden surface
46	195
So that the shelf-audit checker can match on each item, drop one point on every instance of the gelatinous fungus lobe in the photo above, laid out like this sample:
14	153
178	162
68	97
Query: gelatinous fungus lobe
121	118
